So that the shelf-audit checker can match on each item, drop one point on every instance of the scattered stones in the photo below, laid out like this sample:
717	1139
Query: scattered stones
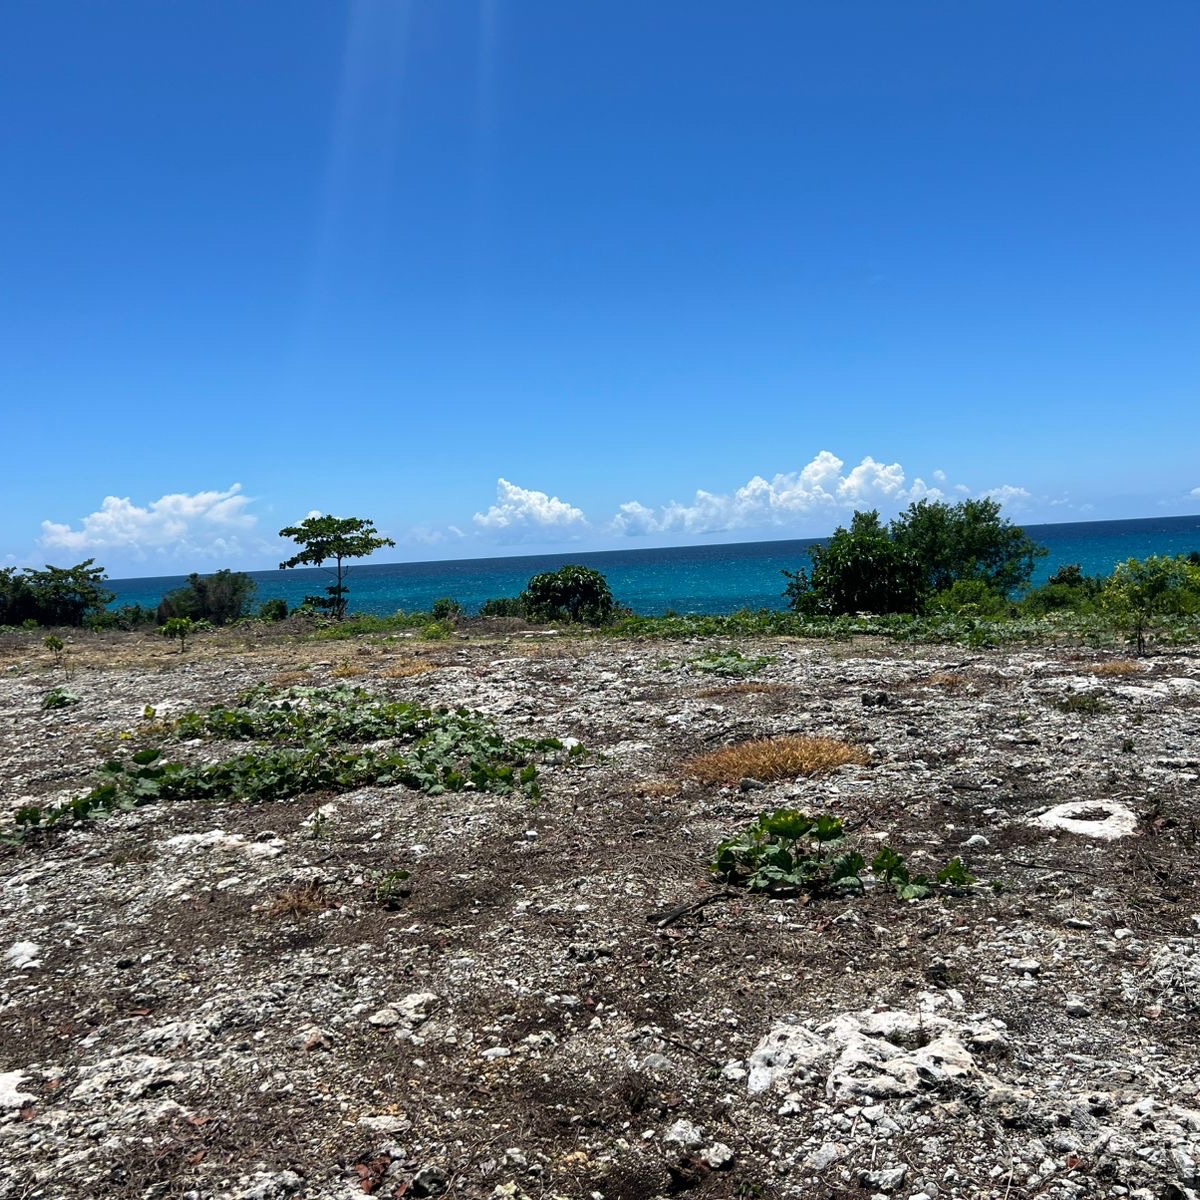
514	1026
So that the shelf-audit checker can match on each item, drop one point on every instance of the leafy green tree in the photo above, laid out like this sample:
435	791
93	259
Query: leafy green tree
1141	590
16	599
572	593
968	540
66	595
220	598
332	539
927	550
860	569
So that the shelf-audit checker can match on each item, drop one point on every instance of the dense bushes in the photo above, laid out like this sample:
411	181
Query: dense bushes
573	594
221	598
55	596
925	552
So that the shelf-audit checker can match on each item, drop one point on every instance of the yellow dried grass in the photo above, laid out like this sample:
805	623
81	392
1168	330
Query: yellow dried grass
290	679
947	680
409	668
348	670
766	759
1119	666
749	687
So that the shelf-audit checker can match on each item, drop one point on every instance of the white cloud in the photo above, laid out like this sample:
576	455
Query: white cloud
200	524
940	476
1195	492
424	535
821	487
1009	496
519	511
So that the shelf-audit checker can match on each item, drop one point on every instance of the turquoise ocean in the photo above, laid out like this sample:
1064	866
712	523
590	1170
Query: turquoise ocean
687	579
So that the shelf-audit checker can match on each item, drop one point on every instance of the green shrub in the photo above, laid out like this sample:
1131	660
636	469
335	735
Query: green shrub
180	628
446	609
970	597
503	606
1142	592
274	609
573	594
59	697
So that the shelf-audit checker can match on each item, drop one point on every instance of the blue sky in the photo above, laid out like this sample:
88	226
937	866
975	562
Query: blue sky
512	277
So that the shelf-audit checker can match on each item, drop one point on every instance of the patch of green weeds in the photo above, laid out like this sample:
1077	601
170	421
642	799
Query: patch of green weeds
391	888
730	663
59	697
313	739
787	851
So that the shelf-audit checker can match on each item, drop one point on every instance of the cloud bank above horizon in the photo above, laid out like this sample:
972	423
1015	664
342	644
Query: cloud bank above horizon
201	524
220	524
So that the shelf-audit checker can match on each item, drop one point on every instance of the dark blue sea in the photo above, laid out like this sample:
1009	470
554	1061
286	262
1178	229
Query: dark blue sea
688	579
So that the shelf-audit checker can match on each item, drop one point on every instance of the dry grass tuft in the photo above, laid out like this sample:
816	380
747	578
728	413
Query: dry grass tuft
775	758
946	680
348	670
656	788
290	679
749	687
409	668
1119	666
301	901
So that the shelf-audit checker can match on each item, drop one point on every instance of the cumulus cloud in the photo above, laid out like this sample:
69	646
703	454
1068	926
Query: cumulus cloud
824	486
204	524
1009	496
1196	492
519	512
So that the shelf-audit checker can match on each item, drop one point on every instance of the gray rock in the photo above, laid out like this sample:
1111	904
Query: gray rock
429	1181
886	1179
824	1156
718	1156
684	1133
417	1007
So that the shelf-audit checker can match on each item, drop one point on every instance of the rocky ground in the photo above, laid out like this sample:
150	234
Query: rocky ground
217	1000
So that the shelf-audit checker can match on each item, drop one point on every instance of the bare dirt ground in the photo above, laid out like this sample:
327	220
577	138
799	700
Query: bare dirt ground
215	1000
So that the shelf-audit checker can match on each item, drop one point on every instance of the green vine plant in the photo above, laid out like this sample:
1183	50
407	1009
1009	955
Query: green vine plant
786	852
304	741
731	664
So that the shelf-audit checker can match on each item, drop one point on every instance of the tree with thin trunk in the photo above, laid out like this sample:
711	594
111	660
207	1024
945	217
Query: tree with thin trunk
332	539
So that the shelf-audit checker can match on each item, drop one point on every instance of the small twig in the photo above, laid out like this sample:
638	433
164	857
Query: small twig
704	1058
665	917
1016	862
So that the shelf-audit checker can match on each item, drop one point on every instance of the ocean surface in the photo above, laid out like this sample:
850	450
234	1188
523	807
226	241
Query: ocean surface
688	579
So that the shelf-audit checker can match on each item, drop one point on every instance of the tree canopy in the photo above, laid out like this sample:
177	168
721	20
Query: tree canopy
54	596
332	539
928	549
